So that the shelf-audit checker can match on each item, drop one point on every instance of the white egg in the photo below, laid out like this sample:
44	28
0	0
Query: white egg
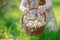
25	21
27	25
39	24
30	24
34	25
31	21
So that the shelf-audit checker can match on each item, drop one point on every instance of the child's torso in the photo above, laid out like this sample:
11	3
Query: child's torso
34	3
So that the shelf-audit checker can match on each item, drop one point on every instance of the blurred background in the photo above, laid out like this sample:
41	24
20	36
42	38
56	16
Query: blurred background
10	28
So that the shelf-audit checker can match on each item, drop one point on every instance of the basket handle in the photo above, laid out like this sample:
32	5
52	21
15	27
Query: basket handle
44	16
22	18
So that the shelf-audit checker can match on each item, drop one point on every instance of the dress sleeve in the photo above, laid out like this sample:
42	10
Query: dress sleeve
23	5
48	5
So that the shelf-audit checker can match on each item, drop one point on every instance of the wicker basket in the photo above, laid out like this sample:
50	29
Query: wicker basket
35	31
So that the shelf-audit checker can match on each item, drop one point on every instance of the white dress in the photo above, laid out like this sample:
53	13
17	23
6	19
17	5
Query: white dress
50	20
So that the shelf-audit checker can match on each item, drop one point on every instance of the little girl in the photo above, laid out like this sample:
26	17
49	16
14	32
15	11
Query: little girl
43	6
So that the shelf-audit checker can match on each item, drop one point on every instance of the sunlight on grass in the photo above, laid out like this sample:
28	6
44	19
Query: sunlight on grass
57	14
10	27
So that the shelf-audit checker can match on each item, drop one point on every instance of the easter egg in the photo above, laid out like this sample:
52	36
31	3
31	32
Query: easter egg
39	24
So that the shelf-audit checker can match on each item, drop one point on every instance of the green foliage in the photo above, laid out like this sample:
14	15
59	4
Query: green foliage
10	27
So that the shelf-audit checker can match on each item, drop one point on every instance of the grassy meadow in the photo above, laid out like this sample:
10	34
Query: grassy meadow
10	28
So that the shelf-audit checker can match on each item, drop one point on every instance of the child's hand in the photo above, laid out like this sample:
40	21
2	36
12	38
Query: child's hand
27	11
40	8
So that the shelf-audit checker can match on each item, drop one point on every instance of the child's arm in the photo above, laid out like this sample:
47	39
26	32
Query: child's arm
23	6
47	6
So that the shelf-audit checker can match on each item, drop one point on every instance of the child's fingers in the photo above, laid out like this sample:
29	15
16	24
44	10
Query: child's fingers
40	9
26	11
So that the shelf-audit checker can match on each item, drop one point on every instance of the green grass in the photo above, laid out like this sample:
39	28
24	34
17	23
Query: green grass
10	26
